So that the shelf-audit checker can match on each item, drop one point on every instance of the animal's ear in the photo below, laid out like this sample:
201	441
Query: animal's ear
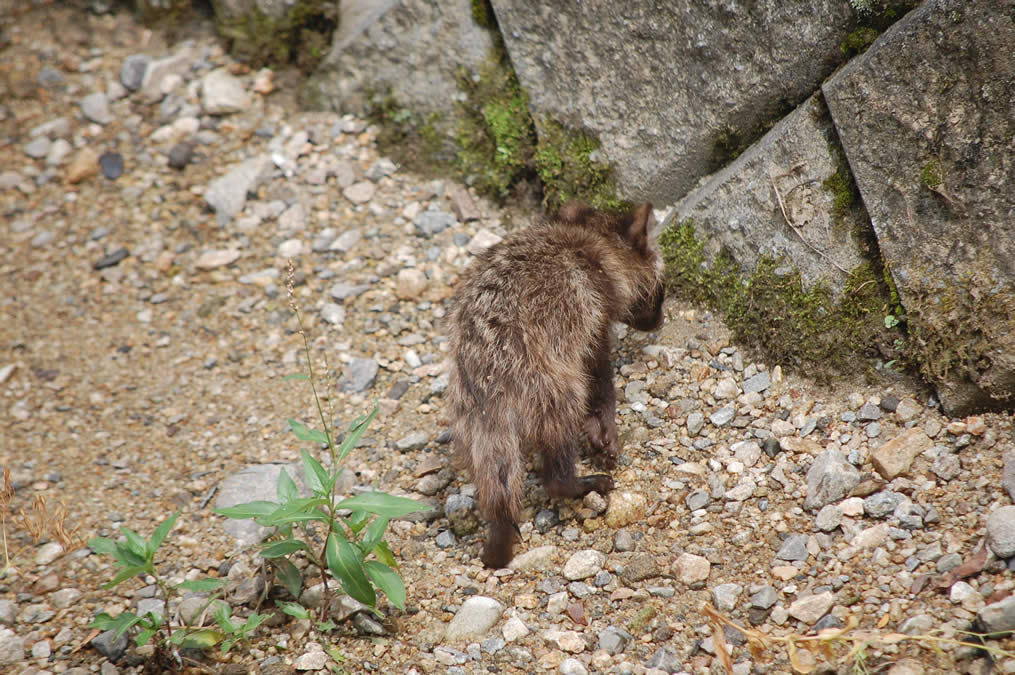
642	220
574	213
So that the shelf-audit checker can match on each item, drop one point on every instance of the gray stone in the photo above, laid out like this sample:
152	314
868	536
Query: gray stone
1001	531
999	617
179	155
868	413
663	84
414	441
764	598
110	646
583	564
624	542
1008	477
429	223
343	291
539	558
723	416
725	596
12	647
360	193
758	383
794	547
698	499
473	621
925	153
460	511
614	640
222	93
258	482
333	313
695	422
666	660
358	375
8	610
828	518
133	70
410	48
882	504
738	210
830	479
808	610
38	147
175	64
227	194
95	107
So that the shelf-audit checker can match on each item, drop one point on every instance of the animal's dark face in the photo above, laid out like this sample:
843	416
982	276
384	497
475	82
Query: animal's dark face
647	314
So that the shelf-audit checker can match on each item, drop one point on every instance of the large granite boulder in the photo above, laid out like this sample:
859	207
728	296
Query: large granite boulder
409	49
786	197
925	119
670	88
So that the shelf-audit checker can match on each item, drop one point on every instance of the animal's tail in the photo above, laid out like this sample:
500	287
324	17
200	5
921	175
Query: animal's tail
494	452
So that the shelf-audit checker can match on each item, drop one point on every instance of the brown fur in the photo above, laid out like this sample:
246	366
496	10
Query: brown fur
530	345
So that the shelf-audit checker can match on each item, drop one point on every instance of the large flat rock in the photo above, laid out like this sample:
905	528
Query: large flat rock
925	118
665	85
411	49
772	200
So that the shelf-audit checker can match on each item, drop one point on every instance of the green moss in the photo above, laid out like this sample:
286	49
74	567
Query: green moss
171	17
859	40
840	186
482	14
569	167
932	176
301	36
772	311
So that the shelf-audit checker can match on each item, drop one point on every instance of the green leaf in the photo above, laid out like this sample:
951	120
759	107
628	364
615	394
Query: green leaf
305	433
201	585
388	581
294	609
383	504
200	639
252	622
127	572
277	549
357	521
356	430
296	376
384	554
102	545
222	618
120	623
248	510
374	533
296	510
159	535
345	562
286	490
126	556
326	626
137	544
289	575
144	636
316	475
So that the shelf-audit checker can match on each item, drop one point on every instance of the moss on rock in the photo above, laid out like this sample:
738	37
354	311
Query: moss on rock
771	311
301	36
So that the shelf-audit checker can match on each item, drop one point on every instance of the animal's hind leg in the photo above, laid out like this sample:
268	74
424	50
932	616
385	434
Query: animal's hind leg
560	478
498	476
601	424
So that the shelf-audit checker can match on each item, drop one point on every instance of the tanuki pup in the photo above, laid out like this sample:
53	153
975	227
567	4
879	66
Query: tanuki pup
530	345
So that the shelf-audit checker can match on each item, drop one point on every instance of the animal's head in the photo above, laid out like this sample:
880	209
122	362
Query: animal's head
633	229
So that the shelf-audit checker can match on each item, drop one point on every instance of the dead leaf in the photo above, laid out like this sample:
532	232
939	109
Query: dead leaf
576	611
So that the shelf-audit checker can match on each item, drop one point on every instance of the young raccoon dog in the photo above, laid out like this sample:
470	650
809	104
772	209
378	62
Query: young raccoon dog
531	369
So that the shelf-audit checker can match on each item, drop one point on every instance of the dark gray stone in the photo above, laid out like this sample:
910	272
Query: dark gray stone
111	259
111	164
461	514
430	223
180	154
665	659
665	86
929	153
110	646
133	69
764	598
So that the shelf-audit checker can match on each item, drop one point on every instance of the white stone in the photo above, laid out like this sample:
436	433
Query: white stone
514	629
474	619
583	564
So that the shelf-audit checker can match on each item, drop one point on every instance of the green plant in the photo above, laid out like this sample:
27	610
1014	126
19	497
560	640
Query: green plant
135	555
350	530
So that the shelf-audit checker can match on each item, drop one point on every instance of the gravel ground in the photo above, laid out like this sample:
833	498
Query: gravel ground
152	195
